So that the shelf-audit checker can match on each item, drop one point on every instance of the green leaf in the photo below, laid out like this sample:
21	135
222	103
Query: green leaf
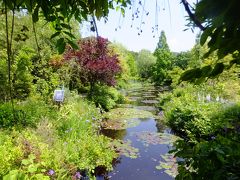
9	4
55	34
32	168
15	175
25	162
73	44
69	34
61	45
65	25
191	74
206	70
218	69
206	33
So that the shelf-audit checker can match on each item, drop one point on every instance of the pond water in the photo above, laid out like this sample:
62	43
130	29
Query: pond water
143	151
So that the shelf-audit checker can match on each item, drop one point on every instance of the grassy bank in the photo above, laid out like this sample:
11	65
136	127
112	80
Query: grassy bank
42	141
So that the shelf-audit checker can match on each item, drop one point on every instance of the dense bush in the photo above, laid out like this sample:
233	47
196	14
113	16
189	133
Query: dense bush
64	142
188	116
26	113
106	97
10	153
209	148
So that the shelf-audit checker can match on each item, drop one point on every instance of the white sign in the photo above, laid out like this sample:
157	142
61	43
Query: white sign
58	95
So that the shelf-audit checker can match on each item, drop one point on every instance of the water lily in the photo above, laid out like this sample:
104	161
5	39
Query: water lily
51	172
78	175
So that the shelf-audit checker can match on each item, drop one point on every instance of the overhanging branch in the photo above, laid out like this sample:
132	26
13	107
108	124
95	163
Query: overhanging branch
192	16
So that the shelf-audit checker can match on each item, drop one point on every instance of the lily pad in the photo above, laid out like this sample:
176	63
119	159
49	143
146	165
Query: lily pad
124	105
122	118
119	124
153	138
146	108
150	101
149	96
168	164
136	93
124	148
134	98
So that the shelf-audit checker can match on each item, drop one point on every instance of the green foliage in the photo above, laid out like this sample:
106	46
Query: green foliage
163	63
210	132
216	157
10	154
182	59
123	118
124	148
60	14
26	113
127	62
106	97
21	75
162	43
63	143
188	115
83	147
31	72
221	31
22	80
201	68
145	62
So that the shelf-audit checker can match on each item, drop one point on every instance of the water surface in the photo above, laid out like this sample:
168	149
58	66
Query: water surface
151	137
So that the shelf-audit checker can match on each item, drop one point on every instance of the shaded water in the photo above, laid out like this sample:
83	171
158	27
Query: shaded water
143	138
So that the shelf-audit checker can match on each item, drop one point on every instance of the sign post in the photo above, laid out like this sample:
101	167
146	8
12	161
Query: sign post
58	96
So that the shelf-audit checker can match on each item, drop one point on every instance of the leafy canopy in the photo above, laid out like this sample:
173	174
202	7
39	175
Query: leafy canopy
221	33
59	13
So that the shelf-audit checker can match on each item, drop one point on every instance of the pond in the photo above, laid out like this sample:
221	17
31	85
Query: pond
141	139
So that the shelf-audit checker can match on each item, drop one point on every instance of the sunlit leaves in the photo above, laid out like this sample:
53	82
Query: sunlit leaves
221	19
63	11
196	74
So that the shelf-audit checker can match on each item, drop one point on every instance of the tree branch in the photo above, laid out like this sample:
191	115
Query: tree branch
95	25
192	16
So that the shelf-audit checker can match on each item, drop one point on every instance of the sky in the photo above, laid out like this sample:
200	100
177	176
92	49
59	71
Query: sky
170	16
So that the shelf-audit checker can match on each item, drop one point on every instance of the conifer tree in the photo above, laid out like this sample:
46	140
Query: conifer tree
163	63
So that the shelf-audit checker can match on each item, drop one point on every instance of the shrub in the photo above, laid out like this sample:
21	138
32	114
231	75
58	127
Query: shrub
210	131
10	154
25	113
81	144
59	146
217	157
106	97
11	117
187	115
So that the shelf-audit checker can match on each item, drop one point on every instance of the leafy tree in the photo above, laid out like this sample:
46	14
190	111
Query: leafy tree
182	59
126	61
25	69
97	63
59	13
163	63
132	64
162	43
145	62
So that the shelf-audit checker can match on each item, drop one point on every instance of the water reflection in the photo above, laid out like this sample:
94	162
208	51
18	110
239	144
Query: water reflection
114	134
151	137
